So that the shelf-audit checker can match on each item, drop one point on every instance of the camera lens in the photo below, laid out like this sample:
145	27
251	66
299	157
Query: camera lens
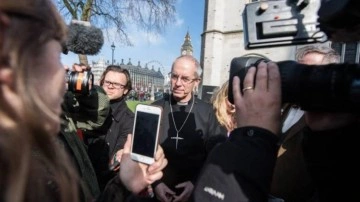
330	88
80	82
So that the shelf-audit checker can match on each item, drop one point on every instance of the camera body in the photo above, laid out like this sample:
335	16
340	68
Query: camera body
326	88
80	82
281	23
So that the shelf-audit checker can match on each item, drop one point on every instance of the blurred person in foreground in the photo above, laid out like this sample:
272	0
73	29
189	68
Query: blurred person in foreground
34	167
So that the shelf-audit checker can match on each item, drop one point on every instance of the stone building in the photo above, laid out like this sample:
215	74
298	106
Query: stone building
145	79
223	40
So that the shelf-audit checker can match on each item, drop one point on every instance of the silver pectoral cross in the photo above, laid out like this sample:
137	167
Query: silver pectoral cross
177	138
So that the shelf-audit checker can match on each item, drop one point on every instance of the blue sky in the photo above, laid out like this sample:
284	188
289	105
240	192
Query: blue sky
164	47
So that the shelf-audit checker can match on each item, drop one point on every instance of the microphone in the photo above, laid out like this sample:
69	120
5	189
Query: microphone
83	38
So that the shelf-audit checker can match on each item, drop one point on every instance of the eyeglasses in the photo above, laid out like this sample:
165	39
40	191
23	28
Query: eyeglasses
114	84
184	80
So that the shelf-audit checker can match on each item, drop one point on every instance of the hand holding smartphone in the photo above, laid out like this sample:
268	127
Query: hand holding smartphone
145	133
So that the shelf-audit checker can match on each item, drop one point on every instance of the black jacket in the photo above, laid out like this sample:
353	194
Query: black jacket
239	169
121	126
103	146
200	133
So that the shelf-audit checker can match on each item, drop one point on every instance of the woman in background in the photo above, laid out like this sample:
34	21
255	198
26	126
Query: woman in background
224	110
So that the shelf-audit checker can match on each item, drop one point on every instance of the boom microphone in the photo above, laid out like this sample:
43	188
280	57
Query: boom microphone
83	38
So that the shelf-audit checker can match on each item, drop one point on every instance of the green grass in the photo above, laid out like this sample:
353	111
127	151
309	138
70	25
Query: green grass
132	104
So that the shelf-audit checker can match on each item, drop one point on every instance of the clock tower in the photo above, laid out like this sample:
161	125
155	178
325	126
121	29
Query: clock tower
186	48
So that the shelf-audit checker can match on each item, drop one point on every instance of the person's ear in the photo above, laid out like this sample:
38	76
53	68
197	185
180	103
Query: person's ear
231	107
197	82
6	76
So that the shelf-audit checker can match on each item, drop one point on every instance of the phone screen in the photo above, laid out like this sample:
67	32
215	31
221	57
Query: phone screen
145	134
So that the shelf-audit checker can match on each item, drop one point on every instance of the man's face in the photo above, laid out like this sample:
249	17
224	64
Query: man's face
183	79
114	85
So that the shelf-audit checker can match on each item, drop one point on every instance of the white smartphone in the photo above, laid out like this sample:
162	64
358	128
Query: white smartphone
145	133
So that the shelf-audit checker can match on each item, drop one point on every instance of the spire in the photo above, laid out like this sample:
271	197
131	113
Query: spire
186	48
129	63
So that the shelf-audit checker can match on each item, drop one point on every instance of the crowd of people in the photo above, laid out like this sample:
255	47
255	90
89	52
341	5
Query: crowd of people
58	145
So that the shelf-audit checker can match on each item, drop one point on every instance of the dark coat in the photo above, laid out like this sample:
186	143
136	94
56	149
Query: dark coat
121	125
199	134
239	169
330	157
103	146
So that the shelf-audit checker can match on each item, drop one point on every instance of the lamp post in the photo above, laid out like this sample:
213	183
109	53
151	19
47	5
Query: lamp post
112	57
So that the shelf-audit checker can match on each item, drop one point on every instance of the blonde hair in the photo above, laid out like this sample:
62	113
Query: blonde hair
224	111
26	147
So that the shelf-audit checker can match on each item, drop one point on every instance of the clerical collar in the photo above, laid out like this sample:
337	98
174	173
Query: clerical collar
182	103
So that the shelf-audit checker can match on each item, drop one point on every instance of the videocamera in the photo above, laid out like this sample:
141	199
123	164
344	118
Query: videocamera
333	87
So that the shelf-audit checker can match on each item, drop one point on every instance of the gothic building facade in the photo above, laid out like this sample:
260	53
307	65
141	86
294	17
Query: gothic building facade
144	79
186	48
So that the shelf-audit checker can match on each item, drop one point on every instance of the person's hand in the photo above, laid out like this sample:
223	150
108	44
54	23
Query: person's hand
319	121
115	161
77	68
137	176
260	103
164	193
188	188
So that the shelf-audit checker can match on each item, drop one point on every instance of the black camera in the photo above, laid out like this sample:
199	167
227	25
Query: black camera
80	82
330	88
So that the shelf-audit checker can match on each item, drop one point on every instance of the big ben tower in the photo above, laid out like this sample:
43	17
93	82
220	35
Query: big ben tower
186	48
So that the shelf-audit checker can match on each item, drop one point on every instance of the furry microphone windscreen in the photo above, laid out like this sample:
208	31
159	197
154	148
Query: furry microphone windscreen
86	40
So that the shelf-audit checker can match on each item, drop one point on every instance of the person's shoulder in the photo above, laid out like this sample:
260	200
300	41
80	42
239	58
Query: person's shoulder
128	112
162	100
204	105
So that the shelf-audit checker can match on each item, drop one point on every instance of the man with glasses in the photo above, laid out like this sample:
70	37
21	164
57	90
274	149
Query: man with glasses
189	130
104	146
117	84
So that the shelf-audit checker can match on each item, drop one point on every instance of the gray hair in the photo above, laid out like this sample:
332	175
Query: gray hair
330	55
191	58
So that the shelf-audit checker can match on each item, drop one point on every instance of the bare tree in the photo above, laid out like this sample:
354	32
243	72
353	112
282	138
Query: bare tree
148	15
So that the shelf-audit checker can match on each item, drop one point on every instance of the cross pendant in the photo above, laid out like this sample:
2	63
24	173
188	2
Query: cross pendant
177	138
